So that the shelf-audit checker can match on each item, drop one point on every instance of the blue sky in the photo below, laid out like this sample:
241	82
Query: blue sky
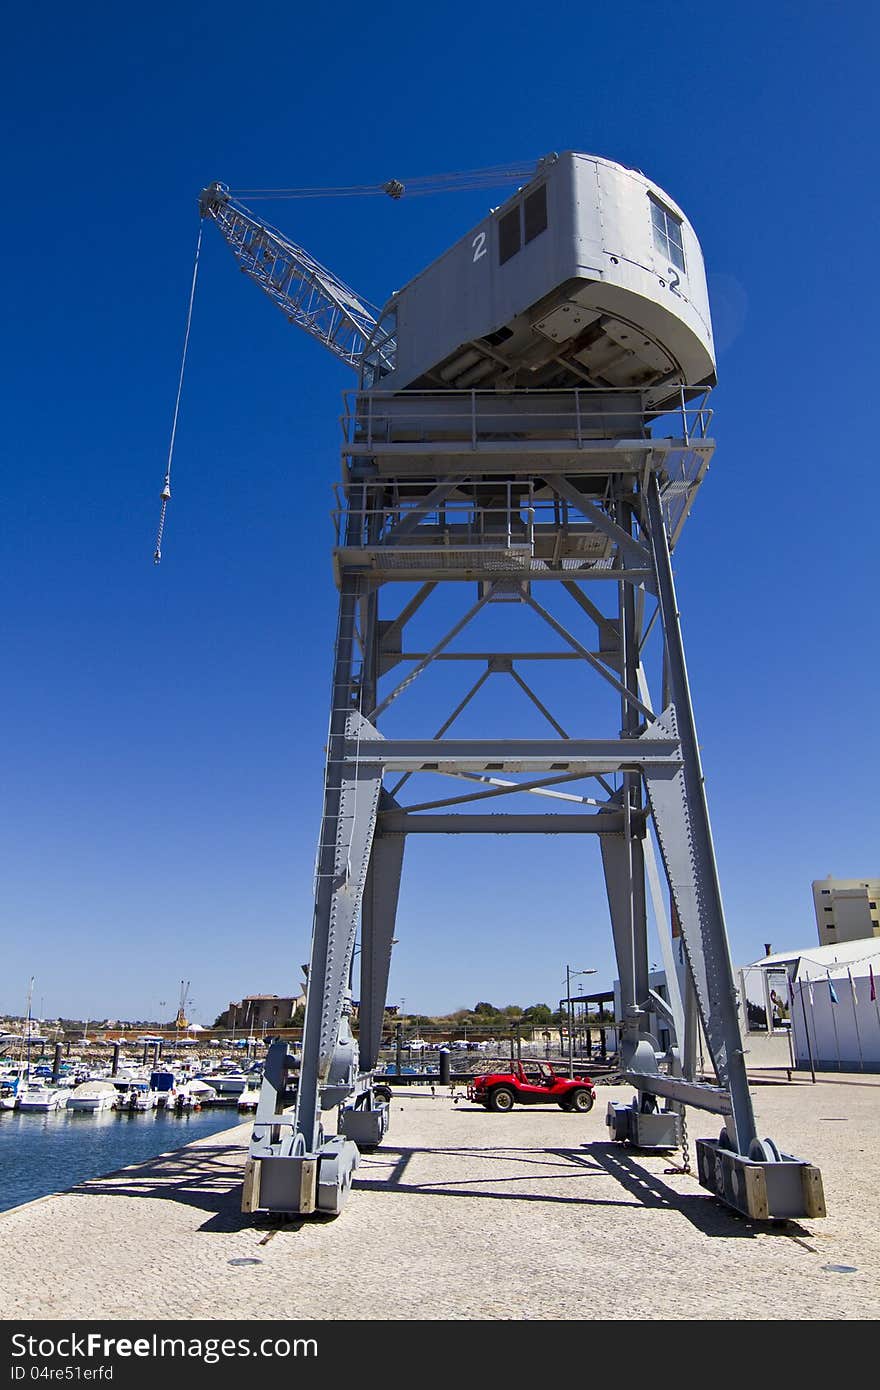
163	760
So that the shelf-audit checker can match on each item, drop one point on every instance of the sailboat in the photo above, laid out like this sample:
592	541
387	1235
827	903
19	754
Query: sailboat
34	1093
16	1075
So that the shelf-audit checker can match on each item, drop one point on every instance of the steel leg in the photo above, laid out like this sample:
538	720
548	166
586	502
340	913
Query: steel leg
681	815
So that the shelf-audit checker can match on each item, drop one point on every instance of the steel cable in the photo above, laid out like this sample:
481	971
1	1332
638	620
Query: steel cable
166	487
421	185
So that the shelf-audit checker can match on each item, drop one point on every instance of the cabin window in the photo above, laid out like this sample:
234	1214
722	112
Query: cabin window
500	335
535	213
522	224
667	232
508	235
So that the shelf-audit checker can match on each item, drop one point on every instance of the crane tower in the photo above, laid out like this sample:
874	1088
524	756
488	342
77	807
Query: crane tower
530	428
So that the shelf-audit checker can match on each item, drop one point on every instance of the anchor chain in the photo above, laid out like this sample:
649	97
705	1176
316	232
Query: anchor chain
685	1165
685	1152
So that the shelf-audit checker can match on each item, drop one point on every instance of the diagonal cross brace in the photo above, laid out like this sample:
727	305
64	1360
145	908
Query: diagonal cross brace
417	513
632	550
588	656
429	657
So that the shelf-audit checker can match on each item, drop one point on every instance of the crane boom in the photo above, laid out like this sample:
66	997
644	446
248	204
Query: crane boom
306	292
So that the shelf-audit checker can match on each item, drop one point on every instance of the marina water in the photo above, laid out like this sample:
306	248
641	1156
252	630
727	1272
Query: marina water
41	1153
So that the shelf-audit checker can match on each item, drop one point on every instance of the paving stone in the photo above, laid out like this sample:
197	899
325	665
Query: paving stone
463	1214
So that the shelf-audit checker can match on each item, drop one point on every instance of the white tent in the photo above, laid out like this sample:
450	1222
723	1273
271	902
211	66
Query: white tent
835	1019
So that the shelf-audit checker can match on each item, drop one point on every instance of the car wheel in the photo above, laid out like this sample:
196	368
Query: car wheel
383	1093
581	1100
502	1099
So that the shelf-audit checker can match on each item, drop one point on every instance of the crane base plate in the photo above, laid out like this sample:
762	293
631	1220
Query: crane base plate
366	1127
785	1190
657	1129
304	1185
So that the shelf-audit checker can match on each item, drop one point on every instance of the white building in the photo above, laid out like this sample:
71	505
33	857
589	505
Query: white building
788	1016
846	909
834	1020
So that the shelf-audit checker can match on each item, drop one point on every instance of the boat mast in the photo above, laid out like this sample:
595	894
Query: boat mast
28	1027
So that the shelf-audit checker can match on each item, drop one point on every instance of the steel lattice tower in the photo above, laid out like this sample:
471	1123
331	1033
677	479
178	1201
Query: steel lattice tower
531	429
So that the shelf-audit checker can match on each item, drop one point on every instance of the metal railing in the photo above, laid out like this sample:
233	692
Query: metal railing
377	419
520	520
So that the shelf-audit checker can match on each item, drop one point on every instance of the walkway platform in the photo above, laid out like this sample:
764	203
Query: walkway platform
463	1214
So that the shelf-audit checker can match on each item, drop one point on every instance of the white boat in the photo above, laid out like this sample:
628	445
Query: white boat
166	1085
142	1096
37	1096
251	1094
227	1083
200	1090
135	1094
93	1097
192	1095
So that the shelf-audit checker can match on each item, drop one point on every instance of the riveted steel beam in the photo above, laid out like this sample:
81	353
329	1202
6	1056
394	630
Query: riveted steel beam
402	822
516	755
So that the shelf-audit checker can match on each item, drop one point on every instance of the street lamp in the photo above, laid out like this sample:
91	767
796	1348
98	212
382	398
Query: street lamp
570	1005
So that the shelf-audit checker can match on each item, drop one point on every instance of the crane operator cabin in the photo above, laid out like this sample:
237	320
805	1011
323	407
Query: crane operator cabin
588	276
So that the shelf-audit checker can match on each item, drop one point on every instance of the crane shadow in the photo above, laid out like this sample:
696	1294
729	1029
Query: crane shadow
651	1192
206	1177
388	1171
703	1210
555	1165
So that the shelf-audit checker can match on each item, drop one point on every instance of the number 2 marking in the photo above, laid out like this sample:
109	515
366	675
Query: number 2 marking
479	245
674	280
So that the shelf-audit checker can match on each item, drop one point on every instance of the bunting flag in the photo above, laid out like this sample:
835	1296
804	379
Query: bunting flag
852	985
832	992
873	988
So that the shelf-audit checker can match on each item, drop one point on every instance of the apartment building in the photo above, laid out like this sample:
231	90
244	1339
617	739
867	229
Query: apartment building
847	909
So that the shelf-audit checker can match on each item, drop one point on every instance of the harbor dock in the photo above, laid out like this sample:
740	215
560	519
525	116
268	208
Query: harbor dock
465	1214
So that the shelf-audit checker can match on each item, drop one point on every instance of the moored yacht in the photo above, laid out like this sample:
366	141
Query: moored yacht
251	1093
226	1083
93	1097
135	1093
39	1096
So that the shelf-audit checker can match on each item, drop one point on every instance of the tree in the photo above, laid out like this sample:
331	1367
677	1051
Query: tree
538	1013
299	1016
484	1008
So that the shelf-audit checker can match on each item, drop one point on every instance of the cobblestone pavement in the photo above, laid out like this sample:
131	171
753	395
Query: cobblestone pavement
464	1214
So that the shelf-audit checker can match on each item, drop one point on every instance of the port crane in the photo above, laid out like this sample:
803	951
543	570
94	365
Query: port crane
531	408
183	1003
